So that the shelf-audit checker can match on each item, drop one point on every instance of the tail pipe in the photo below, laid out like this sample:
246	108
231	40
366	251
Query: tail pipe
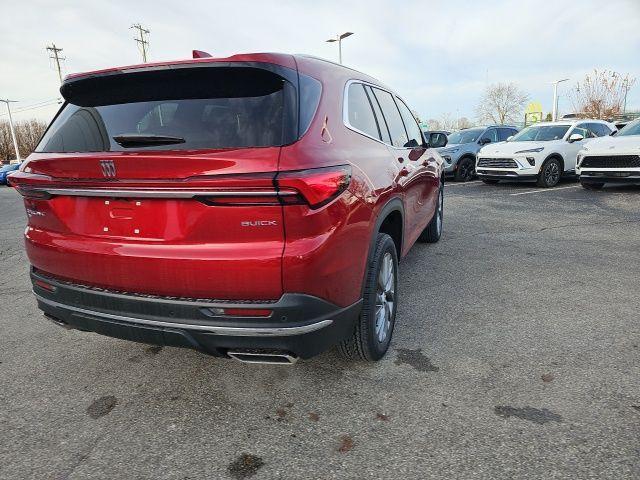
256	356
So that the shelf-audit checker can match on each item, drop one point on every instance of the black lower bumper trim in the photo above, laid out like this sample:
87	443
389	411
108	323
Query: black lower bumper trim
505	175
300	324
607	177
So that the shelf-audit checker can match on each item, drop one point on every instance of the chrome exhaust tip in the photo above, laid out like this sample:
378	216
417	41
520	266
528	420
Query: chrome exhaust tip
262	357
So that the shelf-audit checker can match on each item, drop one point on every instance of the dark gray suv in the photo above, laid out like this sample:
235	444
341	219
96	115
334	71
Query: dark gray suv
461	150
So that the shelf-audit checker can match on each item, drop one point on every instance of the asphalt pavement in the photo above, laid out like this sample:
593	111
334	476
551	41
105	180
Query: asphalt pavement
515	355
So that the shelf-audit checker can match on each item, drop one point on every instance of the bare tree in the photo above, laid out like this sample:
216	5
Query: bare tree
464	122
434	124
602	94
501	103
6	143
28	134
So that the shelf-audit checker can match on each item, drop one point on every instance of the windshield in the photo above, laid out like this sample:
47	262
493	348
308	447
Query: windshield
631	129
205	108
465	136
542	133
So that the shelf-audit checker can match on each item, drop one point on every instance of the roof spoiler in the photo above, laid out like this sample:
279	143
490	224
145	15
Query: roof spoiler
200	54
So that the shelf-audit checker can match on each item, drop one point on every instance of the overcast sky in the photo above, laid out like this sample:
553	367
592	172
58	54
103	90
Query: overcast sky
439	55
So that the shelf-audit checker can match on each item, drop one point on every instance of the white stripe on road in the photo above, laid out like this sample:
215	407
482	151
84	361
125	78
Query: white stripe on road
543	190
446	184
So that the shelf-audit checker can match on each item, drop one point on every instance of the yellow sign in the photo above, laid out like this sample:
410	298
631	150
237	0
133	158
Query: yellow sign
533	113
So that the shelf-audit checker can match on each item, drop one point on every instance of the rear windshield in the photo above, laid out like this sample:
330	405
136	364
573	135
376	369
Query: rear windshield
185	109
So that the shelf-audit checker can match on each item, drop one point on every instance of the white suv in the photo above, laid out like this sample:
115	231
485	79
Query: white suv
611	159
542	152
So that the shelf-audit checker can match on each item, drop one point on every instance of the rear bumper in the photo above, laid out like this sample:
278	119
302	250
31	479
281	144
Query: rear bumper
300	324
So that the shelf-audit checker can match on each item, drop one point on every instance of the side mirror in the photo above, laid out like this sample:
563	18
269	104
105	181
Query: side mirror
575	137
438	140
484	140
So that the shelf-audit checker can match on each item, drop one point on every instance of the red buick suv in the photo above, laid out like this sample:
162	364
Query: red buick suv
252	207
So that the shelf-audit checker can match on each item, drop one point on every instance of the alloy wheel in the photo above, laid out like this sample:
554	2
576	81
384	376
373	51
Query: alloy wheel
552	173
385	297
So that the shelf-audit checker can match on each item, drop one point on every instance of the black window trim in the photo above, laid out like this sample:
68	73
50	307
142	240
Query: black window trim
345	111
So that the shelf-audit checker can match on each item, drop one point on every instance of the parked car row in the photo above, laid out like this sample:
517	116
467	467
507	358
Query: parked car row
543	152
594	151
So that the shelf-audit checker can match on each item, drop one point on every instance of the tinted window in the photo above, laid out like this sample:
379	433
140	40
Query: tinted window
382	123
392	115
413	130
491	134
360	113
541	133
465	136
599	129
504	133
632	128
203	107
310	90
582	129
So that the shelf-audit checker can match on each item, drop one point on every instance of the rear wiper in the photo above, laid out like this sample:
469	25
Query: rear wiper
140	140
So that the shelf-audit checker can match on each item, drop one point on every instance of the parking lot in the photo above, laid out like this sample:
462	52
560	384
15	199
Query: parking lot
515	356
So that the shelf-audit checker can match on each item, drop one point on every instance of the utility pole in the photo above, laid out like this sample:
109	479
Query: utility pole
55	56
626	91
554	115
13	133
339	39
141	40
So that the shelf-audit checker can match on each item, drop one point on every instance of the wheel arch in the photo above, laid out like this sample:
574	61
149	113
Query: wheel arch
390	220
557	156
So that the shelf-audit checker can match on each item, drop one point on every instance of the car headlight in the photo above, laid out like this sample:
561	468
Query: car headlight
532	150
452	151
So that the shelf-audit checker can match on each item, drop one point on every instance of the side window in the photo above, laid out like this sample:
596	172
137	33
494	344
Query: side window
360	113
382	123
582	130
504	133
392	115
599	129
491	134
413	130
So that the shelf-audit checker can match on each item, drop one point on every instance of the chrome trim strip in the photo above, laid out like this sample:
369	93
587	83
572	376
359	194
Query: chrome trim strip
132	193
216	330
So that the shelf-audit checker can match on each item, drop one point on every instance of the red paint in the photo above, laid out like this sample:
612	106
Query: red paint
315	242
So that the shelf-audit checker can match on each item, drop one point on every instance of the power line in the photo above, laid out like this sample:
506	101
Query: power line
142	40
42	104
55	56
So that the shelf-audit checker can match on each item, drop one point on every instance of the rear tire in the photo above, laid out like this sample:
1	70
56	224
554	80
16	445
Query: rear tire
433	231
466	170
550	173
592	186
490	181
373	330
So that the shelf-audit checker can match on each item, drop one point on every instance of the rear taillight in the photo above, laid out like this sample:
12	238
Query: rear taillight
316	187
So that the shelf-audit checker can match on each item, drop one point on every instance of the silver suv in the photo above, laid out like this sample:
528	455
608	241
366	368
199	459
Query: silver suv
463	146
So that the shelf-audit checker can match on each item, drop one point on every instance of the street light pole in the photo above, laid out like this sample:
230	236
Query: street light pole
554	115
13	133
339	39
